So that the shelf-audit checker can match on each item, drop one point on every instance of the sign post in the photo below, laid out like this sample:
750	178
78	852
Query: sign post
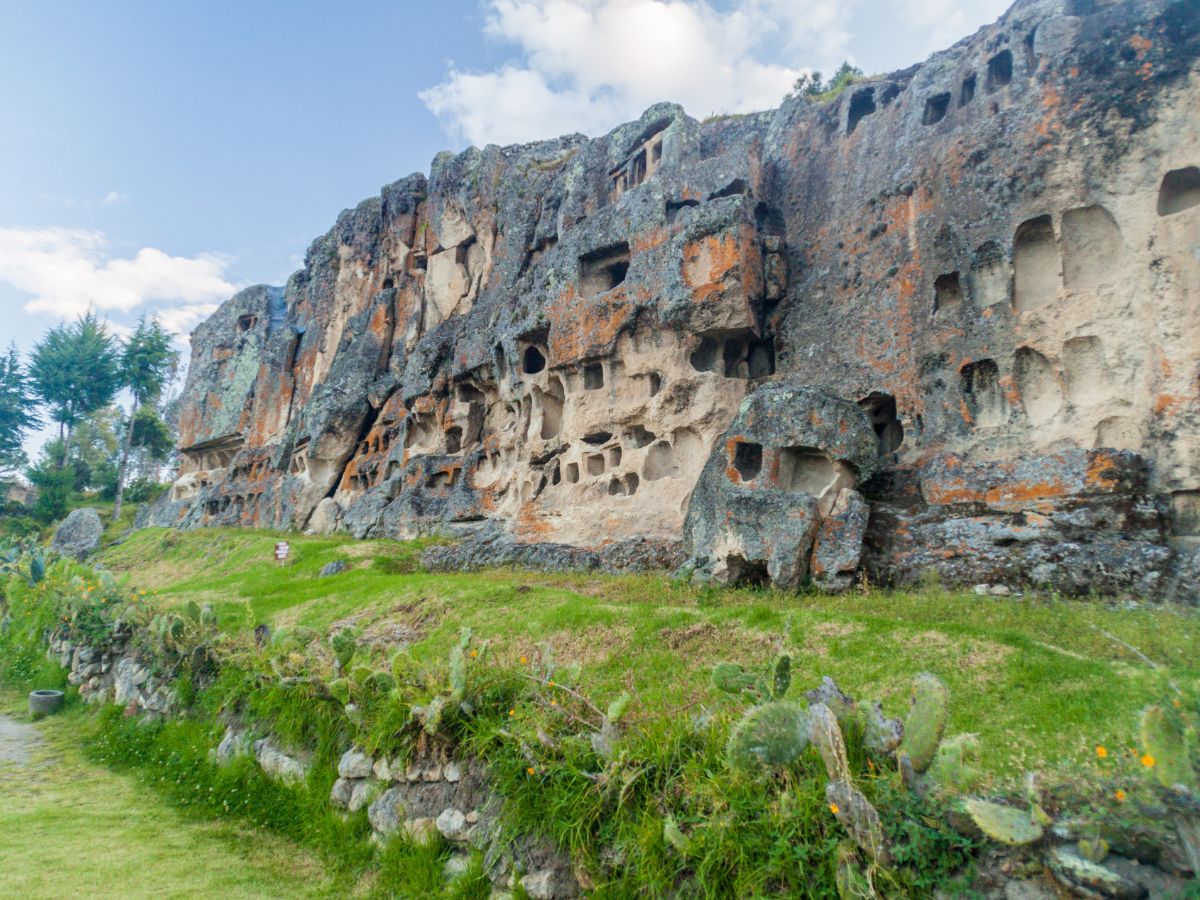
282	549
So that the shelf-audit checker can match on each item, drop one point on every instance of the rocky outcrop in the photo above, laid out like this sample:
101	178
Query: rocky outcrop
544	347
78	535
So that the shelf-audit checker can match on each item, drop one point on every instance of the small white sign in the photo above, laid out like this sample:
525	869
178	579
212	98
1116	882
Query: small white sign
282	549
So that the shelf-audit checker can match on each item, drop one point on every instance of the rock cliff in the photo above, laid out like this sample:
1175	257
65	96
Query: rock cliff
948	321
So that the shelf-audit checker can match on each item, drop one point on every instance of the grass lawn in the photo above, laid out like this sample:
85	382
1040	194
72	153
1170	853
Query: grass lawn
70	828
1037	679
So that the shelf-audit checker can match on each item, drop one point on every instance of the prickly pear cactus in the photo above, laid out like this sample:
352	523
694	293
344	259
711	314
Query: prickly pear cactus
926	720
732	678
192	611
1165	742
1005	824
768	736
957	763
779	676
208	616
859	818
881	735
824	732
852	882
344	645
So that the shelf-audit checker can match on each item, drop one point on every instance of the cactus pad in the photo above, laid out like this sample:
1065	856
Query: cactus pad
858	816
926	720
771	735
1005	824
1166	742
779	676
732	678
824	732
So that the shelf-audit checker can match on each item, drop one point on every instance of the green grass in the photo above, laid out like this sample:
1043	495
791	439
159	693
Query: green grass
1036	679
69	827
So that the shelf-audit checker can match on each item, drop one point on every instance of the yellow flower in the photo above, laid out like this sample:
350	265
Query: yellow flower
529	771
474	653
512	712
554	703
833	808
1102	752
1120	795
551	684
1148	761
524	660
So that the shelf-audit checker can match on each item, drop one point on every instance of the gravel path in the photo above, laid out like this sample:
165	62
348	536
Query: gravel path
17	739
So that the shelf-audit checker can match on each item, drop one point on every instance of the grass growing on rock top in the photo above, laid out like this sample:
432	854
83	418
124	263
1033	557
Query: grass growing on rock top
1041	681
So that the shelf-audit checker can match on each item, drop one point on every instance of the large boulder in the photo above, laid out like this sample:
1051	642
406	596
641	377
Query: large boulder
78	535
776	501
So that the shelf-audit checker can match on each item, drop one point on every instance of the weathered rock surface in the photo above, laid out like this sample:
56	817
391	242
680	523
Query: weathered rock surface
78	535
994	254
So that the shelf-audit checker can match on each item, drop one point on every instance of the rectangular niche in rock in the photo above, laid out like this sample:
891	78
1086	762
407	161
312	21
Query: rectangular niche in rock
603	269
935	109
999	70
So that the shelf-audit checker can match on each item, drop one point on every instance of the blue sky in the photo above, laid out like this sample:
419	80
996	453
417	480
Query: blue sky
158	155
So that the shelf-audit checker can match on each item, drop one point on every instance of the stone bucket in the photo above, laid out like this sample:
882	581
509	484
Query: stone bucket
44	703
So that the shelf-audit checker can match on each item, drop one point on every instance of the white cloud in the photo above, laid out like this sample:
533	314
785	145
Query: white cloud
586	65
948	20
112	198
69	271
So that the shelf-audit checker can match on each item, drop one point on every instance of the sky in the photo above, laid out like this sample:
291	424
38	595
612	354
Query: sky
156	157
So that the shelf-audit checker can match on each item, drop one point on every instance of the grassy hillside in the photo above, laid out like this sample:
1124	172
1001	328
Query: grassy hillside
1041	681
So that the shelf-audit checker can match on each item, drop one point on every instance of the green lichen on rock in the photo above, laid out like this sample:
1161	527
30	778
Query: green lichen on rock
768	736
926	720
1004	824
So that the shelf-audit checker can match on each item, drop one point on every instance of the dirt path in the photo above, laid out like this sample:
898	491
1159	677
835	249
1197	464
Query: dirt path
17	741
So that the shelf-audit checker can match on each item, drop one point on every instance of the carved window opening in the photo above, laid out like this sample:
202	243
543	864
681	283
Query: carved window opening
984	394
935	109
862	104
533	361
967	93
1035	264
747	460
806	470
999	70
947	292
246	323
746	573
603	269
881	410
1180	190
593	376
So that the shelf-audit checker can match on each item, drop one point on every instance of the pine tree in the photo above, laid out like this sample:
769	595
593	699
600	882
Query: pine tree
17	412
75	371
147	362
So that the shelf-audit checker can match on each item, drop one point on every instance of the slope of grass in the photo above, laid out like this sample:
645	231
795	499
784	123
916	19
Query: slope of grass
71	828
1041	681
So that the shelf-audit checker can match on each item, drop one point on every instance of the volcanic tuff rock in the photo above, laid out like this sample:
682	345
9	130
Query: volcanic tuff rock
994	255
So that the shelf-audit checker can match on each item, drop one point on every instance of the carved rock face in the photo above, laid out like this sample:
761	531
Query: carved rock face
993	254
779	483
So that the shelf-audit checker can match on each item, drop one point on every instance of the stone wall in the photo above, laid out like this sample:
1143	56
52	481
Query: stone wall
995	255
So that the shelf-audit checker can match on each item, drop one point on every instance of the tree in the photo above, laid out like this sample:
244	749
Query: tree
147	362
53	481
16	412
811	86
75	371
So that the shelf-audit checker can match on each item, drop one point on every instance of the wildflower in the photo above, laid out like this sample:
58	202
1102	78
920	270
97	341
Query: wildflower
551	683
1177	704
524	660
1101	751
512	712
474	653
1120	795
833	808
554	703
529	771
1148	761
